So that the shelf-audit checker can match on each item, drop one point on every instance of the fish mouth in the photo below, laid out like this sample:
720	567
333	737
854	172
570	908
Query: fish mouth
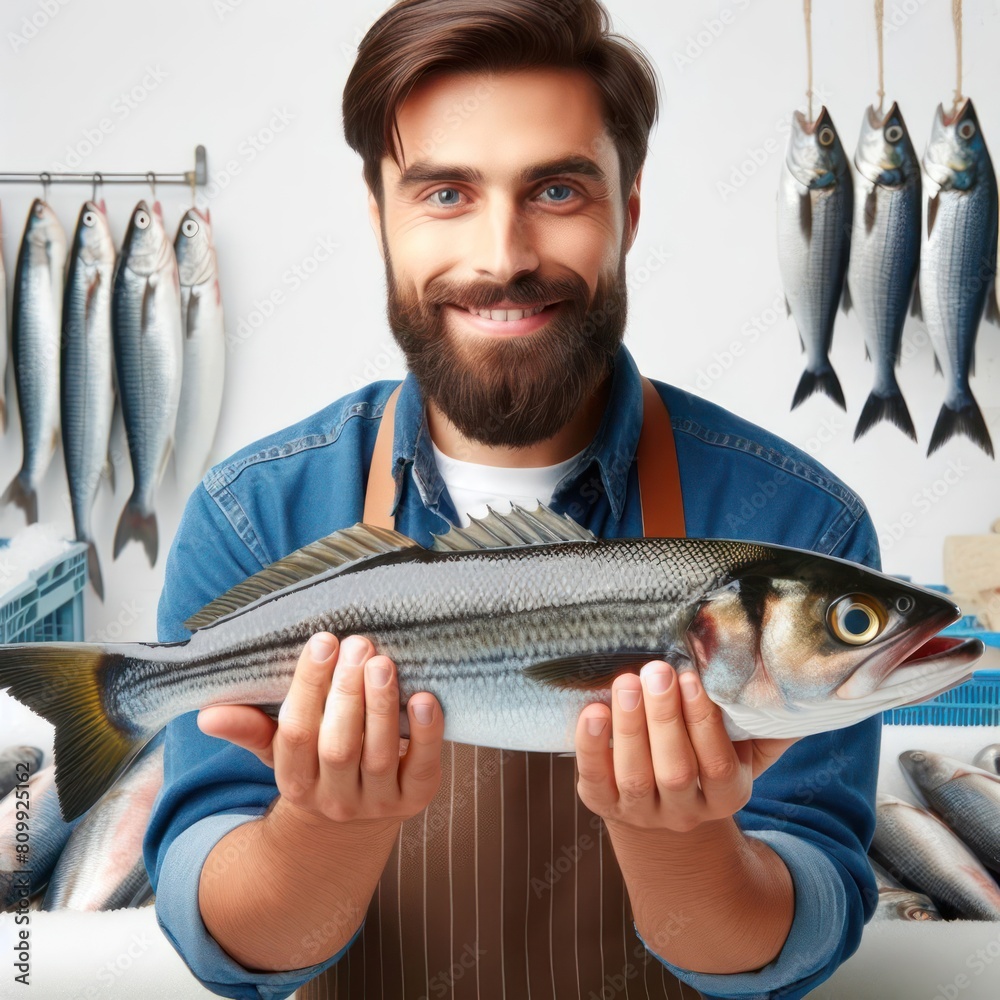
876	122
949	118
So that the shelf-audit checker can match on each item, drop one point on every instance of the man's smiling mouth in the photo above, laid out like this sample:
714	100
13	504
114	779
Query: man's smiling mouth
507	314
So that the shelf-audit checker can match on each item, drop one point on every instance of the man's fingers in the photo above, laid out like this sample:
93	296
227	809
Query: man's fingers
244	725
633	764
420	766
380	751
675	765
594	762
296	765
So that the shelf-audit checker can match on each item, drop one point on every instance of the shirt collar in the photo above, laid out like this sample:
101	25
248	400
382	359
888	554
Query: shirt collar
612	449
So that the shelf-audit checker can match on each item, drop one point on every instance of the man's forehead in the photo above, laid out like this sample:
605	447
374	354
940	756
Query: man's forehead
503	126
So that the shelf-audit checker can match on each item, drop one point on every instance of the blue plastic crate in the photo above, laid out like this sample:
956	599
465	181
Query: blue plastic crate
48	606
974	703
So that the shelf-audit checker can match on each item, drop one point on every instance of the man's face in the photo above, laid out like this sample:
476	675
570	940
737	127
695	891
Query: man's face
509	198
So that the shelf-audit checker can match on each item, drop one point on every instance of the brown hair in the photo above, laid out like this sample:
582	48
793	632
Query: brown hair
415	38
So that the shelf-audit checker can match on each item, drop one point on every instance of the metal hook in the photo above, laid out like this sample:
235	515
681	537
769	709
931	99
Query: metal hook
151	177
46	178
98	181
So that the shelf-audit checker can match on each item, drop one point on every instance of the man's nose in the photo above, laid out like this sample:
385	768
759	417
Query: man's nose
503	243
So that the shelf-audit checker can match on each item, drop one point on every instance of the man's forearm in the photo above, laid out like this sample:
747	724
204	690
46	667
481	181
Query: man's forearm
298	889
713	900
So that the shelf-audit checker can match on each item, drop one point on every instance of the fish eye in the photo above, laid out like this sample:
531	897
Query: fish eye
89	219
894	133
826	136
189	227
855	619
904	604
141	220
967	130
917	755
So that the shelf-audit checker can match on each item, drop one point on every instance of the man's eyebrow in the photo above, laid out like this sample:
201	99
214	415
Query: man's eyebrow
423	172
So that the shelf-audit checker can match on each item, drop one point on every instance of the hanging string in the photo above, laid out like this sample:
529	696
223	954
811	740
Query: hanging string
809	55
956	16
879	8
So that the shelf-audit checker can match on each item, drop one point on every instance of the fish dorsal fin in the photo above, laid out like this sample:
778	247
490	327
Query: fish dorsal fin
519	527
336	551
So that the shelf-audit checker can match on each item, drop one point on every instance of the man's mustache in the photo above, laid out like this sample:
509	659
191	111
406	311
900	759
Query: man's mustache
528	291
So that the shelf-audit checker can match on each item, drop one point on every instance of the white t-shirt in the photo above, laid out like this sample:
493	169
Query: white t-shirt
471	486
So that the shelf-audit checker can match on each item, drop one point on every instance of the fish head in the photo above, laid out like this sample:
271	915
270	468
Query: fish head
925	771
885	154
145	242
193	247
92	241
800	643
956	154
815	155
989	758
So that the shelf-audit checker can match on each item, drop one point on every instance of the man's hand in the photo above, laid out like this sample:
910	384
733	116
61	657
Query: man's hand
673	766
335	749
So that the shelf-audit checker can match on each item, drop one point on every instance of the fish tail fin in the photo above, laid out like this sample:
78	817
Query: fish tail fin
94	569
25	498
142	527
892	407
63	683
967	420
822	381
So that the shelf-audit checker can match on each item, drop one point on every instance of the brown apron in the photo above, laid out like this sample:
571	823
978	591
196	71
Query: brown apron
506	885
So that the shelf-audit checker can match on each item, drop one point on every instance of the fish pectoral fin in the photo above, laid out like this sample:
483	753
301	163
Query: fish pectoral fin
191	316
992	306
590	671
788	308
519	527
871	209
148	305
338	552
868	354
845	301
806	215
932	210
916	307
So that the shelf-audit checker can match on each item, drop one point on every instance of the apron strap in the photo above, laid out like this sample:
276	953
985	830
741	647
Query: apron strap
659	477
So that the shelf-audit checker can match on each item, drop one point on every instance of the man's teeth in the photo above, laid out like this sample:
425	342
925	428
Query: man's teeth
506	315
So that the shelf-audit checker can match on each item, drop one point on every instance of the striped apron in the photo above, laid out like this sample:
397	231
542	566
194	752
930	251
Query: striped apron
506	885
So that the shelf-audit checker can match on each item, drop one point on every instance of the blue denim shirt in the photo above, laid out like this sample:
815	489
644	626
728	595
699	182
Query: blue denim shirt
814	807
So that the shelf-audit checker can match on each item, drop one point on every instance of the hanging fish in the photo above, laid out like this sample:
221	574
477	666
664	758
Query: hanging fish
88	396
957	262
38	298
515	625
885	255
146	325
204	348
815	204
3	337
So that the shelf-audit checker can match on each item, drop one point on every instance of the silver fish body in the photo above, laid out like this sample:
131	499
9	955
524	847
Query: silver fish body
967	798
920	851
88	396
815	206
35	329
895	902
885	255
11	758
957	262
47	835
146	323
988	758
204	348
101	866
515	640
4	337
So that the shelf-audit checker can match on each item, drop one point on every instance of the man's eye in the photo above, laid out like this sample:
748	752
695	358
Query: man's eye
449	197
559	192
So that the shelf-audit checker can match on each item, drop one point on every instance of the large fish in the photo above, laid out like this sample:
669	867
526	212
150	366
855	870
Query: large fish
204	348
10	758
37	804
88	395
515	624
896	902
920	851
967	798
146	320
885	255
815	204
101	866
3	337
957	262
35	327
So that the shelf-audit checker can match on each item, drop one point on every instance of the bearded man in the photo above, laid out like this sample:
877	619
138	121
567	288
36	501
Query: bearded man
503	145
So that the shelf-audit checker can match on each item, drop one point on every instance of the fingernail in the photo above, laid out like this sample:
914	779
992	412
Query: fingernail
596	725
657	679
321	647
423	713
352	651
378	673
628	698
689	685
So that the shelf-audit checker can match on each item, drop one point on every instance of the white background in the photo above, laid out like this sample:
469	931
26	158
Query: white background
702	270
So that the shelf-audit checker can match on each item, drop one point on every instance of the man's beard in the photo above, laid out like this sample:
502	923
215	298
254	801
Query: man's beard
511	391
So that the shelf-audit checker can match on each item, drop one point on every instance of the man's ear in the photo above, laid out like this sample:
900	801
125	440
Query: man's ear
375	222
632	211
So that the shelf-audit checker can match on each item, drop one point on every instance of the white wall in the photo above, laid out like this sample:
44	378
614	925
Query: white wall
234	74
